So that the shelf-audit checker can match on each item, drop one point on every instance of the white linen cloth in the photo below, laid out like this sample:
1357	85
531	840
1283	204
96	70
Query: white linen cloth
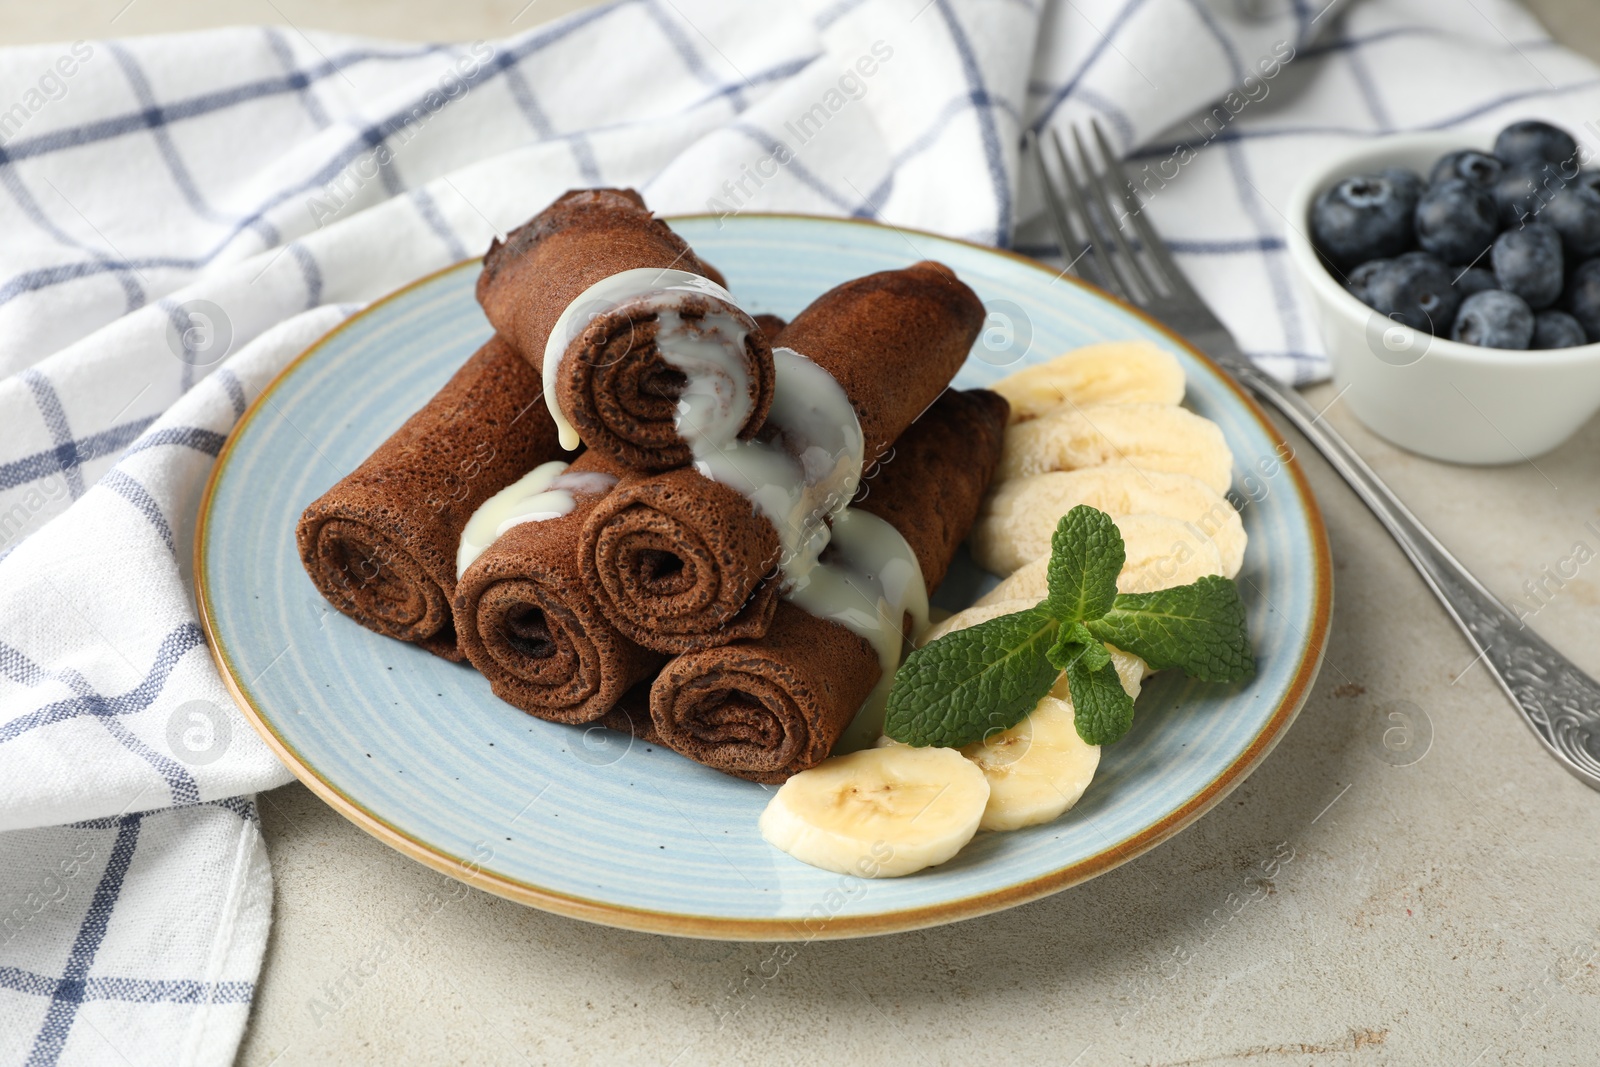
182	215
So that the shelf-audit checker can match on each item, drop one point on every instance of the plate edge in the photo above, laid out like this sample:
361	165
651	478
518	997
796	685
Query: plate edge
651	921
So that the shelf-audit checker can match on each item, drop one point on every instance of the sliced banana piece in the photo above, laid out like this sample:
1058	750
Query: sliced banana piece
1112	372
1160	553
1027	584
1020	515
1163	552
1036	770
879	812
1151	437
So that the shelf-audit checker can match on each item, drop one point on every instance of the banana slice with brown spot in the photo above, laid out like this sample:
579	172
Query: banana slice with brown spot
880	812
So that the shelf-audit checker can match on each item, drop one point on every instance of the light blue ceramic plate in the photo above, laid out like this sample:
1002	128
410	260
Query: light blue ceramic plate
594	825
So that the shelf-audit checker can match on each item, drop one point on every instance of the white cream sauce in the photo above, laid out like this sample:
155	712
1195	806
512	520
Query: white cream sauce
546	492
806	470
710	355
802	476
870	582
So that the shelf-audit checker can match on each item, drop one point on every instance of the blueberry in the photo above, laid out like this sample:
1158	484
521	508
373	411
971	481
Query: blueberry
1574	212
1557	329
1528	262
1408	184
1583	297
1414	289
1474	166
1475	280
1523	191
1532	141
1362	218
1359	278
1494	319
1456	220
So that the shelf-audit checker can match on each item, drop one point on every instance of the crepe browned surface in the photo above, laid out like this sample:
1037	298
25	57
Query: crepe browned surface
631	715
678	562
767	708
381	544
524	619
771	325
614	386
892	340
928	486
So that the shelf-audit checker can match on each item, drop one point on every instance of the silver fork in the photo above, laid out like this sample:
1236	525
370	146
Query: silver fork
1560	702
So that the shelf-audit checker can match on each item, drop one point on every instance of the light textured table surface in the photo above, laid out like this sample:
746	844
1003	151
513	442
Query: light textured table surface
1438	913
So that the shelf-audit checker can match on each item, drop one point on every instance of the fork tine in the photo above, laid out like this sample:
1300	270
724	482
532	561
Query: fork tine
1073	250
1110	279
1057	211
1108	206
1171	277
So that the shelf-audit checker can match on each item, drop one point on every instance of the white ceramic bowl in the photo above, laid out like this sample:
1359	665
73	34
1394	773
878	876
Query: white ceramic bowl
1429	394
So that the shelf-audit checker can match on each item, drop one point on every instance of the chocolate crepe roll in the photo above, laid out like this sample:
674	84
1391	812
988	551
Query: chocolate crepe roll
771	326
614	386
892	340
381	544
679	562
525	620
631	715
768	708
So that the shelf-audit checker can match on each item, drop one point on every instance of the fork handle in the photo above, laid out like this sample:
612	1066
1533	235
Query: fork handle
1559	701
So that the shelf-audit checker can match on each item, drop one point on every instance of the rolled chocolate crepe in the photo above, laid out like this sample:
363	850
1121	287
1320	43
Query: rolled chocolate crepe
381	544
768	708
771	326
614	385
680	562
631	715
524	619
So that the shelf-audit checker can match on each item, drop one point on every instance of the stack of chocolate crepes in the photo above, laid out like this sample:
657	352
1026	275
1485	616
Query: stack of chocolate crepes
656	603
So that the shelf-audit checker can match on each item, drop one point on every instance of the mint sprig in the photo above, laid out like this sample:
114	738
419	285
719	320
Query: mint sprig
1198	628
1000	666
1086	555
975	682
1102	710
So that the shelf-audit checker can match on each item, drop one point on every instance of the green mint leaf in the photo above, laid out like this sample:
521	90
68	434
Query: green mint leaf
953	691
1086	555
1199	628
1101	709
1076	642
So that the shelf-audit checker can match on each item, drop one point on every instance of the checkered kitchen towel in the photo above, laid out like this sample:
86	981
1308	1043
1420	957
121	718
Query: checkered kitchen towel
181	215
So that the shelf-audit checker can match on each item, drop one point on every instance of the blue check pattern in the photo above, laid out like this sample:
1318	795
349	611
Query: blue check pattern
184	214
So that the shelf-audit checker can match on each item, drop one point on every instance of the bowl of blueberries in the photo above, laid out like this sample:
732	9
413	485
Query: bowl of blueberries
1456	280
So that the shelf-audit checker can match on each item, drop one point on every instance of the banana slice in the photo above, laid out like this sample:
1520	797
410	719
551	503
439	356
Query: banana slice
1131	670
1036	770
879	812
1151	437
1160	553
1113	372
1021	514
